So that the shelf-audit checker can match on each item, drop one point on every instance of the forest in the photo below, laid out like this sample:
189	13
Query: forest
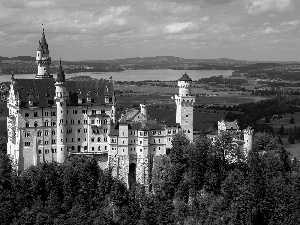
195	183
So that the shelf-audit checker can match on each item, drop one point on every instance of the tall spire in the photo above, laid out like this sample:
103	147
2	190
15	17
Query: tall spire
61	74
43	59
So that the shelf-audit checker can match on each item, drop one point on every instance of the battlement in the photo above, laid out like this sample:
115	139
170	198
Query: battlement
248	131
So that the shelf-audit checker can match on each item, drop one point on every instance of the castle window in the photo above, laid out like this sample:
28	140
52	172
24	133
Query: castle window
53	132
85	130
27	134
26	124
46	123
35	124
26	114
159	148
105	131
46	142
46	132
61	131
53	113
99	148
189	131
105	139
141	150
35	114
46	151
85	121
145	133
46	113
99	139
93	139
93	121
123	150
73	148
78	139
123	142
141	142
53	150
40	151
53	141
72	121
105	147
94	111
78	130
85	147
78	121
105	121
39	133
159	132
141	134
93	148
72	139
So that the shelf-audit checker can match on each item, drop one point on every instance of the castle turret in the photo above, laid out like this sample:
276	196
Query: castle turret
106	95
113	108
185	102
61	96
248	139
42	59
143	107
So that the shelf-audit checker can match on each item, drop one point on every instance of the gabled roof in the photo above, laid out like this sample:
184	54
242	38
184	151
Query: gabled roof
43	91
185	77
146	126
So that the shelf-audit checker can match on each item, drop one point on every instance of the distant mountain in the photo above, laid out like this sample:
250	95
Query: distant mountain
18	58
171	61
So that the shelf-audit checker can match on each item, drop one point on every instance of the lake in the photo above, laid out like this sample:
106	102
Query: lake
137	75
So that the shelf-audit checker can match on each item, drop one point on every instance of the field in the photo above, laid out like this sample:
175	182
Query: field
162	95
294	149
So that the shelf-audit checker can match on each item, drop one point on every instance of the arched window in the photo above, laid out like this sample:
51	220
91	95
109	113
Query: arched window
26	124
35	124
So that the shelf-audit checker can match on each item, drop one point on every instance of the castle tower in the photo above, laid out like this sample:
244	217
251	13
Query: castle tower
113	108
42	59
143	107
248	139
61	96
185	102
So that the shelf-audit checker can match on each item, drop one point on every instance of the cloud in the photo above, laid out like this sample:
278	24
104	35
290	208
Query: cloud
268	30
261	6
216	2
291	23
179	27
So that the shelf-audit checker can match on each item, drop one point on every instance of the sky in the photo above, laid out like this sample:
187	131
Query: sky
110	29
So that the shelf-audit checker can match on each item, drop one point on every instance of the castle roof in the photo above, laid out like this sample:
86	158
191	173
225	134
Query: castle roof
231	125
146	126
114	133
43	91
185	77
61	74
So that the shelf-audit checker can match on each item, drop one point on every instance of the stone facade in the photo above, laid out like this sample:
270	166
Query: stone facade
52	118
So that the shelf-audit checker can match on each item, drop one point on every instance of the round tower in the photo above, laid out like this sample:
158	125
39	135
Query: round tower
184	84
61	102
143	107
184	106
42	59
248	139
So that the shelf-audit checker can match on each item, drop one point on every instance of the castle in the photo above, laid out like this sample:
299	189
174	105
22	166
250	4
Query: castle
52	118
